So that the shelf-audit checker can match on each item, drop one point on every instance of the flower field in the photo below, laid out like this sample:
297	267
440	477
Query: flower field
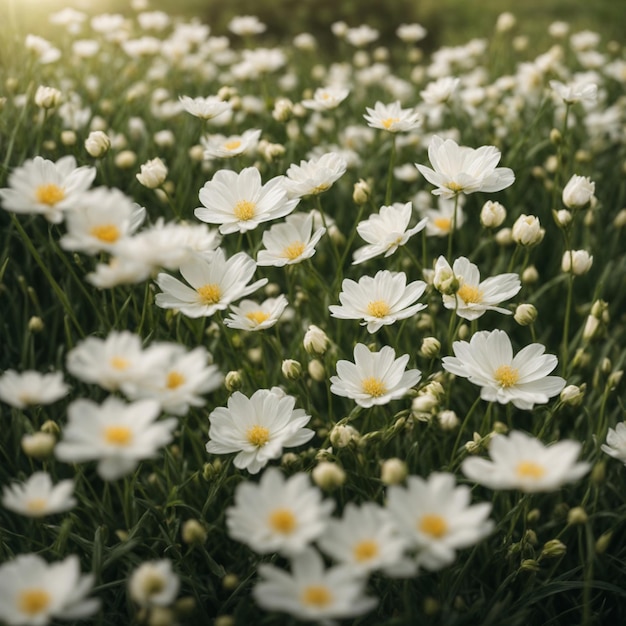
291	336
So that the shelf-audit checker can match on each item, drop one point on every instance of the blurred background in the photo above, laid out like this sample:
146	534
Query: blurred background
449	22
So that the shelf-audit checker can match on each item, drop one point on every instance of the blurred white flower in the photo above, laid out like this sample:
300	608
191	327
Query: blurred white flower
411	33
326	98
440	220
152	173
257	428
246	25
205	108
221	147
578	262
361	35
392	118
314	176
578	192
47	97
519	461
37	496
29	388
575	92
440	90
154	583
251	315
615	445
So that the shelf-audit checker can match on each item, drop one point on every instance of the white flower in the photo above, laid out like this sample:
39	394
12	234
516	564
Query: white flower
47	97
33	592
361	35
101	219
474	297
527	230
38	497
435	516
386	231
577	262
314	176
520	461
116	434
222	147
311	592
152	174
492	214
326	98
205	108
440	220
251	315
257	428
240	202
290	242
366	539
379	301
577	91
374	377
278	514
459	169
97	143
154	583
246	25
30	388
180	378
118	271
392	118
487	360
440	90
48	188
615	445
578	192
215	283
411	33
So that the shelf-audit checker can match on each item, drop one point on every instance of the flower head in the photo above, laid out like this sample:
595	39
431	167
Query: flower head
222	147
314	176
205	108
251	315
615	445
30	388
393	118
326	98
578	192
38	497
154	583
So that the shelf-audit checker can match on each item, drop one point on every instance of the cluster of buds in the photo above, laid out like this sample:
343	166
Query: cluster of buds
596	321
426	403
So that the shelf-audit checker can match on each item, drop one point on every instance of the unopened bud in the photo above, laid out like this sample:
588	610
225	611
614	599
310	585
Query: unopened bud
153	173
591	329
525	314
598	473
577	516
316	370
527	231
35	324
599	308
362	192
430	347
603	542
288	459
572	395
605	365
38	445
614	379
533	516
342	435
291	369
553	549
530	565
230	582
315	341
448	420
393	471
68	137
563	218
47	97
555	136
283	109
577	262
125	159
328	476
492	214
530	275
193	532
504	237
224	620
620	219
97	144
233	381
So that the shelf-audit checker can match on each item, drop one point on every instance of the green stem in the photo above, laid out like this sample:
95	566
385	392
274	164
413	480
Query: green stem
453	227
392	161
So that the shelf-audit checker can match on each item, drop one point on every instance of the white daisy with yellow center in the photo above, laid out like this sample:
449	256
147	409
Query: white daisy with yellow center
520	461
222	147
314	176
37	496
374	377
393	118
252	316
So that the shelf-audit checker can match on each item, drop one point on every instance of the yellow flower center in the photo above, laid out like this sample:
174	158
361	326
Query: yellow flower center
283	521
470	295
318	596
49	194
454	187
36	505
378	308
321	187
33	601
174	380
365	550
118	435
210	294
258	317
244	210
119	363
529	469
232	145
374	386
109	233
258	435
433	525
443	223
153	584
293	250
506	376
389	122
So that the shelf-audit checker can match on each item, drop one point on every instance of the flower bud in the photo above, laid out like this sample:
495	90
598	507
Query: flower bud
533	516
393	471
288	459
315	341
562	218
492	214
161	616
577	262
530	565
614	379
316	370
599	308
68	137
527	230
193	532
153	173
576	516
553	549
506	21
448	420
598	473
444	279
424	403
581	358
578	192
224	620
283	109
233	381
35	324
291	369
620	219
97	143
572	395
230	582
328	476
591	329
525	314
430	347
342	435
504	237
556	137
38	445
530	275
362	192
603	542
125	159
47	97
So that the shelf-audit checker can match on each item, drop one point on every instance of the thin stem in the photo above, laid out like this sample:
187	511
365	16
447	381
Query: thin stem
392	161
453	227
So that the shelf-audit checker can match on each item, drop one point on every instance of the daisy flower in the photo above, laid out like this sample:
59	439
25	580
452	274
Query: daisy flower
459	169
45	187
366	539
520	461
440	220
374	377
38	497
222	147
385	231
440	90
290	242
475	297
615	445
314	176
154	583
326	98
118	271
278	514
311	592
204	108
116	434
251	315
100	220
257	428
30	388
215	283
379	301
435	517
487	360
33	592
246	25
240	202
392	118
